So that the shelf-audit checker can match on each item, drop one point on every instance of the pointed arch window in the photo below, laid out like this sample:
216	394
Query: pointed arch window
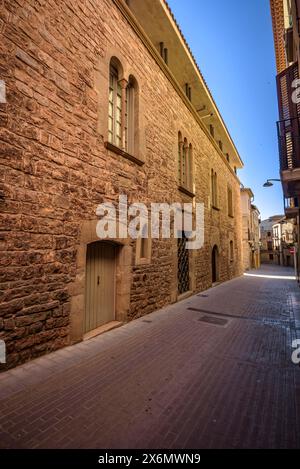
185	163
214	189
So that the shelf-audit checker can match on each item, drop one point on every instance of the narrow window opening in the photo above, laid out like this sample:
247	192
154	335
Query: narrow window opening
231	251
130	118
214	189
185	163
230	201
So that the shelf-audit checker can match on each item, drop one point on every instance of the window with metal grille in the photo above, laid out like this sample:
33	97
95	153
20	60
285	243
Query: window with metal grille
183	274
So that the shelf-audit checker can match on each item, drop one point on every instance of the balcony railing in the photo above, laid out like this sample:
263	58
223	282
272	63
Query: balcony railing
289	143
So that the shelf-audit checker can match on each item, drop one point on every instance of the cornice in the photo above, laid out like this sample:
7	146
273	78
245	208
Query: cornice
126	12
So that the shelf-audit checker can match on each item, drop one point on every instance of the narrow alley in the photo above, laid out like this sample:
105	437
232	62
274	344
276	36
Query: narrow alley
214	371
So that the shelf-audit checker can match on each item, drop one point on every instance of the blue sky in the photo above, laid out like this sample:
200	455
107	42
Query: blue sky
232	42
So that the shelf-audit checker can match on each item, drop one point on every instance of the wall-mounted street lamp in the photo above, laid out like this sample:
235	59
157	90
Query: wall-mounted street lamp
269	182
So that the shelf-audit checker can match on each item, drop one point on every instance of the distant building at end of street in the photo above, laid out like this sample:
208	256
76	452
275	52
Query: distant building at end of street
277	241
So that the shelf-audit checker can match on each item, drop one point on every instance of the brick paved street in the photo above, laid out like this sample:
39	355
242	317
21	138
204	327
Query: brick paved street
170	379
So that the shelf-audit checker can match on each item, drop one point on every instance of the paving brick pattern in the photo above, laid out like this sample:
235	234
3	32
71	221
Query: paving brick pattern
170	380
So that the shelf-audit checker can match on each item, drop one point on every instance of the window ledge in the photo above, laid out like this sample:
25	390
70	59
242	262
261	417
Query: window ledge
123	153
215	208
186	191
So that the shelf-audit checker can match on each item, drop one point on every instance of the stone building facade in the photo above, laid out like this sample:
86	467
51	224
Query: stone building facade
278	241
283	240
267	252
286	31
67	66
250	231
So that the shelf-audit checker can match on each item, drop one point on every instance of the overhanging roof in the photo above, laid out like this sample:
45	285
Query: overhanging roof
159	24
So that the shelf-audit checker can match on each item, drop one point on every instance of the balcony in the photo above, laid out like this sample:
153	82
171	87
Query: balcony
289	143
288	129
291	207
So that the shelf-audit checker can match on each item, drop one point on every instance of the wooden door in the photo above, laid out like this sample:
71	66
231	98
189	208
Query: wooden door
100	285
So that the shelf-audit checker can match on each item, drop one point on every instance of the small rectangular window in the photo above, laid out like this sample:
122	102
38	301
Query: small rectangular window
188	91
143	246
231	251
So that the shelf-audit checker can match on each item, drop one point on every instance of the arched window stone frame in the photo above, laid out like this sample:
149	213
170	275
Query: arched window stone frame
185	164
125	76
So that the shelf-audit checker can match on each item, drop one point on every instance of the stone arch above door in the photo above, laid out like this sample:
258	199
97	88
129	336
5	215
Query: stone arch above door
77	288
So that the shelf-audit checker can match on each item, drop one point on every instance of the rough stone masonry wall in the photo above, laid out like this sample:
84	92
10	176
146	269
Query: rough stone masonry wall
55	169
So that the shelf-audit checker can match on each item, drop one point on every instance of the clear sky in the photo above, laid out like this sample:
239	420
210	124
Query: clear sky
232	43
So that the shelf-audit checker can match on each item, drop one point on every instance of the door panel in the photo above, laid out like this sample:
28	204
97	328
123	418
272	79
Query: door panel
100	285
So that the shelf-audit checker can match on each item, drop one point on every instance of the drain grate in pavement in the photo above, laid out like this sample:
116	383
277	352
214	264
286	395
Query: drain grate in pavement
215	321
276	322
262	320
233	316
